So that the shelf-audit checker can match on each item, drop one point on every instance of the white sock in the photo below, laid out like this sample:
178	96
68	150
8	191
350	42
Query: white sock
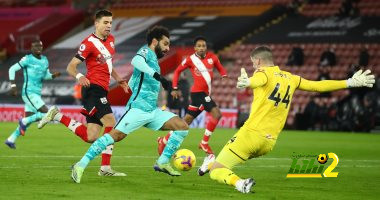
58	117
105	167
208	133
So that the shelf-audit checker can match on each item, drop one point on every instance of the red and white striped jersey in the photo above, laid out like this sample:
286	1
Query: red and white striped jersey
202	71
98	54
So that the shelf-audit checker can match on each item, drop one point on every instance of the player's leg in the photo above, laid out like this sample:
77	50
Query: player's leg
108	122
35	109
11	140
210	107
164	120
221	171
95	149
55	115
241	147
34	104
90	98
130	121
163	140
193	111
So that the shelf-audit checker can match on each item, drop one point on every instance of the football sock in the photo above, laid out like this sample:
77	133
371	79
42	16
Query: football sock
13	137
107	153
16	133
224	175
95	149
76	127
206	136
172	146
35	117
166	138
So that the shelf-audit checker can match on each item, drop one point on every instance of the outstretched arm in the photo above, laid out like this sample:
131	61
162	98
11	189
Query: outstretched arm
322	86
359	79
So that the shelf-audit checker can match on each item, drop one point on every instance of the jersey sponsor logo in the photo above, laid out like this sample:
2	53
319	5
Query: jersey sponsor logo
102	58
104	100
312	166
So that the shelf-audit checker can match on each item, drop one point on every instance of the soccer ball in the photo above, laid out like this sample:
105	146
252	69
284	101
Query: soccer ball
322	158
184	159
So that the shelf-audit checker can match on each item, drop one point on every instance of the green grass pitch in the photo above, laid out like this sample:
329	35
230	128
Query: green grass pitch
40	168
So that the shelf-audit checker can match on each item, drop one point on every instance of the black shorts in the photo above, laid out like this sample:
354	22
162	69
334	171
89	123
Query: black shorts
95	103
200	101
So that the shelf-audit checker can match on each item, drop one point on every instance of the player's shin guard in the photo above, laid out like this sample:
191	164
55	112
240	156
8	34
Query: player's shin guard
107	153
95	149
174	142
28	120
76	127
224	175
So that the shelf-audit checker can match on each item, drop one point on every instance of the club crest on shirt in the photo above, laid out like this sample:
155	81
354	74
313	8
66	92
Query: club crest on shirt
103	100
210	61
144	52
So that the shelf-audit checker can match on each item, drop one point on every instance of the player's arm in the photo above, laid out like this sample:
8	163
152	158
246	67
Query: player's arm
50	76
220	68
359	79
122	82
258	79
72	70
139	63
175	93
12	74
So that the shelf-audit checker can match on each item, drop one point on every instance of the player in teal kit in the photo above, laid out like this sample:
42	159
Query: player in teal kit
35	69
142	109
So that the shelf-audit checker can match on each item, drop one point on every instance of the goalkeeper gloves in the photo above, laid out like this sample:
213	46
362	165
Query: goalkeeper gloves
243	80
361	79
165	83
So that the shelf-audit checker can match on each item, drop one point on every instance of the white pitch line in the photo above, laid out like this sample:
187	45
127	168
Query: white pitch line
151	166
152	157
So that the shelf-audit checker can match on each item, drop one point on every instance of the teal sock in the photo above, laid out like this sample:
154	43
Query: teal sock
37	116
13	137
174	142
16	133
95	149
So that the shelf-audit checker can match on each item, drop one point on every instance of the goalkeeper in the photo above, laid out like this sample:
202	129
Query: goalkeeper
273	90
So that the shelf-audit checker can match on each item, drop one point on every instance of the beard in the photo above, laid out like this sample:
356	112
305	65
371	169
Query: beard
159	52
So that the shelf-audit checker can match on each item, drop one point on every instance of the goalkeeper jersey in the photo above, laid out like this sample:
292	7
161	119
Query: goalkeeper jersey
273	90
